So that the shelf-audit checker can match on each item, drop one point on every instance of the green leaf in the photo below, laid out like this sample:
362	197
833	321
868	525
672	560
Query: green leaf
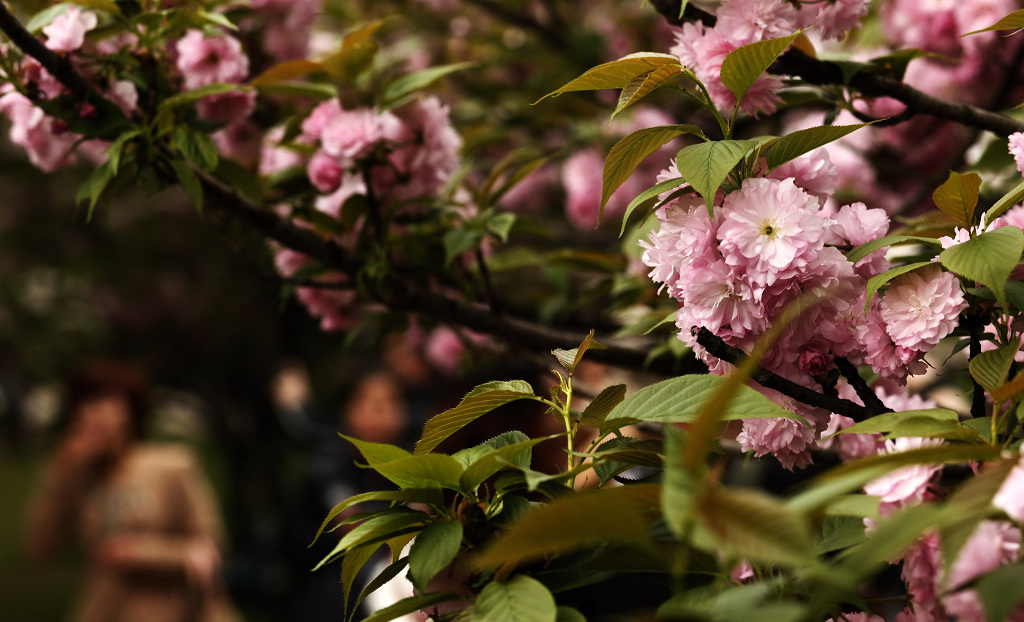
888	541
518	454
629	152
197	147
619	454
568	614
429	496
376	529
1012	21
1009	391
958	197
407	470
569	359
879	280
640	86
411	605
617	74
352	563
94	185
434	549
217	19
886	422
677	496
473	406
398	90
990	368
840	532
988	259
706	165
649	195
680	399
116	149
1005	202
607	515
459	241
1000	591
969	504
598	408
389	573
928	427
804	141
867	248
292	88
745	64
189	182
288	70
520	599
518	386
757	526
189	97
101	5
851	476
501	225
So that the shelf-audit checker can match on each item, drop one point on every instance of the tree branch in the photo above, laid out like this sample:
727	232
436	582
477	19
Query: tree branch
58	66
721	350
864	392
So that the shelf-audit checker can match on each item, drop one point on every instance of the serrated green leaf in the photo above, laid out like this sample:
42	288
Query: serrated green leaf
116	149
642	85
886	422
649	194
197	147
520	599
1005	202
1010	391
1011	21
616	74
374	529
501	225
840	532
958	196
988	259
607	515
429	496
459	241
518	386
927	427
680	486
389	573
404	86
602	404
706	165
745	64
798	143
629	152
879	280
867	248
411	605
352	563
517	454
851	476
290	88
434	549
189	97
679	400
989	369
440	427
757	526
408	470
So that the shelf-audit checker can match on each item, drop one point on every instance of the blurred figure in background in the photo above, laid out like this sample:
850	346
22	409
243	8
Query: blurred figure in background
144	512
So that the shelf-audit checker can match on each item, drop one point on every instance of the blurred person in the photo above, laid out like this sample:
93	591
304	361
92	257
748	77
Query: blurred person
144	512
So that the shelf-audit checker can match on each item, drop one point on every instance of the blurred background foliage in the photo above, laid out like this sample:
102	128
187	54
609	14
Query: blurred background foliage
149	281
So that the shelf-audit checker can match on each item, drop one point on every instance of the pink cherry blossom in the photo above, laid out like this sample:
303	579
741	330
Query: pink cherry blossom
1016	143
747	21
786	439
1010	497
206	60
32	129
66	33
922	307
833	19
814	172
906	485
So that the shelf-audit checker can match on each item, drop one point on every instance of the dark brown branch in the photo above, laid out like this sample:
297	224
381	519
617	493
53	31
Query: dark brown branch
864	392
57	65
974	328
823	73
719	349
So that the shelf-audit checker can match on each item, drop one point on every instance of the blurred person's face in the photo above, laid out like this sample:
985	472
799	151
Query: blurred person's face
376	412
105	423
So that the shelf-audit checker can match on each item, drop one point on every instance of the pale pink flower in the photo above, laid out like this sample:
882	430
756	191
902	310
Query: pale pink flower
431	156
66	33
768	225
47	147
352	134
716	299
325	172
922	307
227	107
239	141
1010	497
351	185
444	348
275	157
859	225
922	567
1016	143
814	172
288	24
906	485
858	616
833	19
747	21
206	60
334	306
786	439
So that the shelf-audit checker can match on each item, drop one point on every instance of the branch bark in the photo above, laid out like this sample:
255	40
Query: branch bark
721	350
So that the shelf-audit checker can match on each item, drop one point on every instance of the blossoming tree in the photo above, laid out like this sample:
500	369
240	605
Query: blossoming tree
814	233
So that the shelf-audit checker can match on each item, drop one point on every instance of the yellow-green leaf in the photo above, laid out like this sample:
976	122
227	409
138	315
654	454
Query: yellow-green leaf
616	74
640	86
958	197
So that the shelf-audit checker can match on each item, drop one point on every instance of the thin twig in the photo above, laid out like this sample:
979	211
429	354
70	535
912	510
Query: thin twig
721	350
864	392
